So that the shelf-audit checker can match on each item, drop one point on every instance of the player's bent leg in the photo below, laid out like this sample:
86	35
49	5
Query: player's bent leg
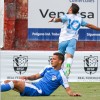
19	86
68	64
70	53
9	85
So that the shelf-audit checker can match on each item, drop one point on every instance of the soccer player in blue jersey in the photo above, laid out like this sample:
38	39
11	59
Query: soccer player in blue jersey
71	23
51	78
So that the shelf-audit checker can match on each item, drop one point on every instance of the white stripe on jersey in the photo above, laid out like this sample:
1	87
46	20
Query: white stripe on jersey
34	87
64	78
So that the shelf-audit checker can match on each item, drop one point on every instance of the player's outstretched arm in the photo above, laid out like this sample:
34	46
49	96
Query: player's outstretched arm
93	27
32	77
71	93
55	20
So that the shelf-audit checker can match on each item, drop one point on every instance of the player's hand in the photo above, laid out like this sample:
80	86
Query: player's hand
24	78
75	94
71	93
52	19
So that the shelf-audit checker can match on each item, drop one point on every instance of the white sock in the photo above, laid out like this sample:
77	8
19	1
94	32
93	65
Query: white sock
69	61
11	84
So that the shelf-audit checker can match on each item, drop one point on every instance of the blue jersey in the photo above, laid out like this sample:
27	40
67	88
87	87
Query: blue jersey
50	81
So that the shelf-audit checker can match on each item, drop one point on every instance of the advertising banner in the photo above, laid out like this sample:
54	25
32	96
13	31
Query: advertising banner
1	22
40	12
85	68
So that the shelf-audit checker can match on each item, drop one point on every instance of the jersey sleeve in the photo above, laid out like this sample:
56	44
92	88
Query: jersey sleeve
64	80
43	71
83	23
64	18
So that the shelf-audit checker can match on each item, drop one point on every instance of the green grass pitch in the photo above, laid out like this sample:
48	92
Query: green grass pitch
89	91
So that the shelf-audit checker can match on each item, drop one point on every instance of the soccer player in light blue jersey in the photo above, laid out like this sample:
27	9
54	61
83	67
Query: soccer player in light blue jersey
51	78
71	23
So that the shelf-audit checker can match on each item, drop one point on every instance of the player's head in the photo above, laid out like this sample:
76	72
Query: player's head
74	9
57	59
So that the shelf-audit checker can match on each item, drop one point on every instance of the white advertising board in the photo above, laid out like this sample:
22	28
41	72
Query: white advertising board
41	11
85	68
1	22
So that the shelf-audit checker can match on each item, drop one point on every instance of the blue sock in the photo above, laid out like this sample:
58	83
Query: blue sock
5	87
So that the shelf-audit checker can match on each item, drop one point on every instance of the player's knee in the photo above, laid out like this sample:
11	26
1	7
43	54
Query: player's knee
69	55
17	83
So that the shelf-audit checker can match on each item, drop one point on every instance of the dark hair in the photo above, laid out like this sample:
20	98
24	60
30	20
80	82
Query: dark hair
75	8
60	56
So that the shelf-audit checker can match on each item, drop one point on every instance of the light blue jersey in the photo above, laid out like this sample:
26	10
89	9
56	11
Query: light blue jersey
70	27
51	80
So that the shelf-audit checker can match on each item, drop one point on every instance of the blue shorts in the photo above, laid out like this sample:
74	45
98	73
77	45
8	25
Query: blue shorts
31	90
68	47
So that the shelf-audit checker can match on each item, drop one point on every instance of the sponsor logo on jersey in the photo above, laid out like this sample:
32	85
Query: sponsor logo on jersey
54	78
